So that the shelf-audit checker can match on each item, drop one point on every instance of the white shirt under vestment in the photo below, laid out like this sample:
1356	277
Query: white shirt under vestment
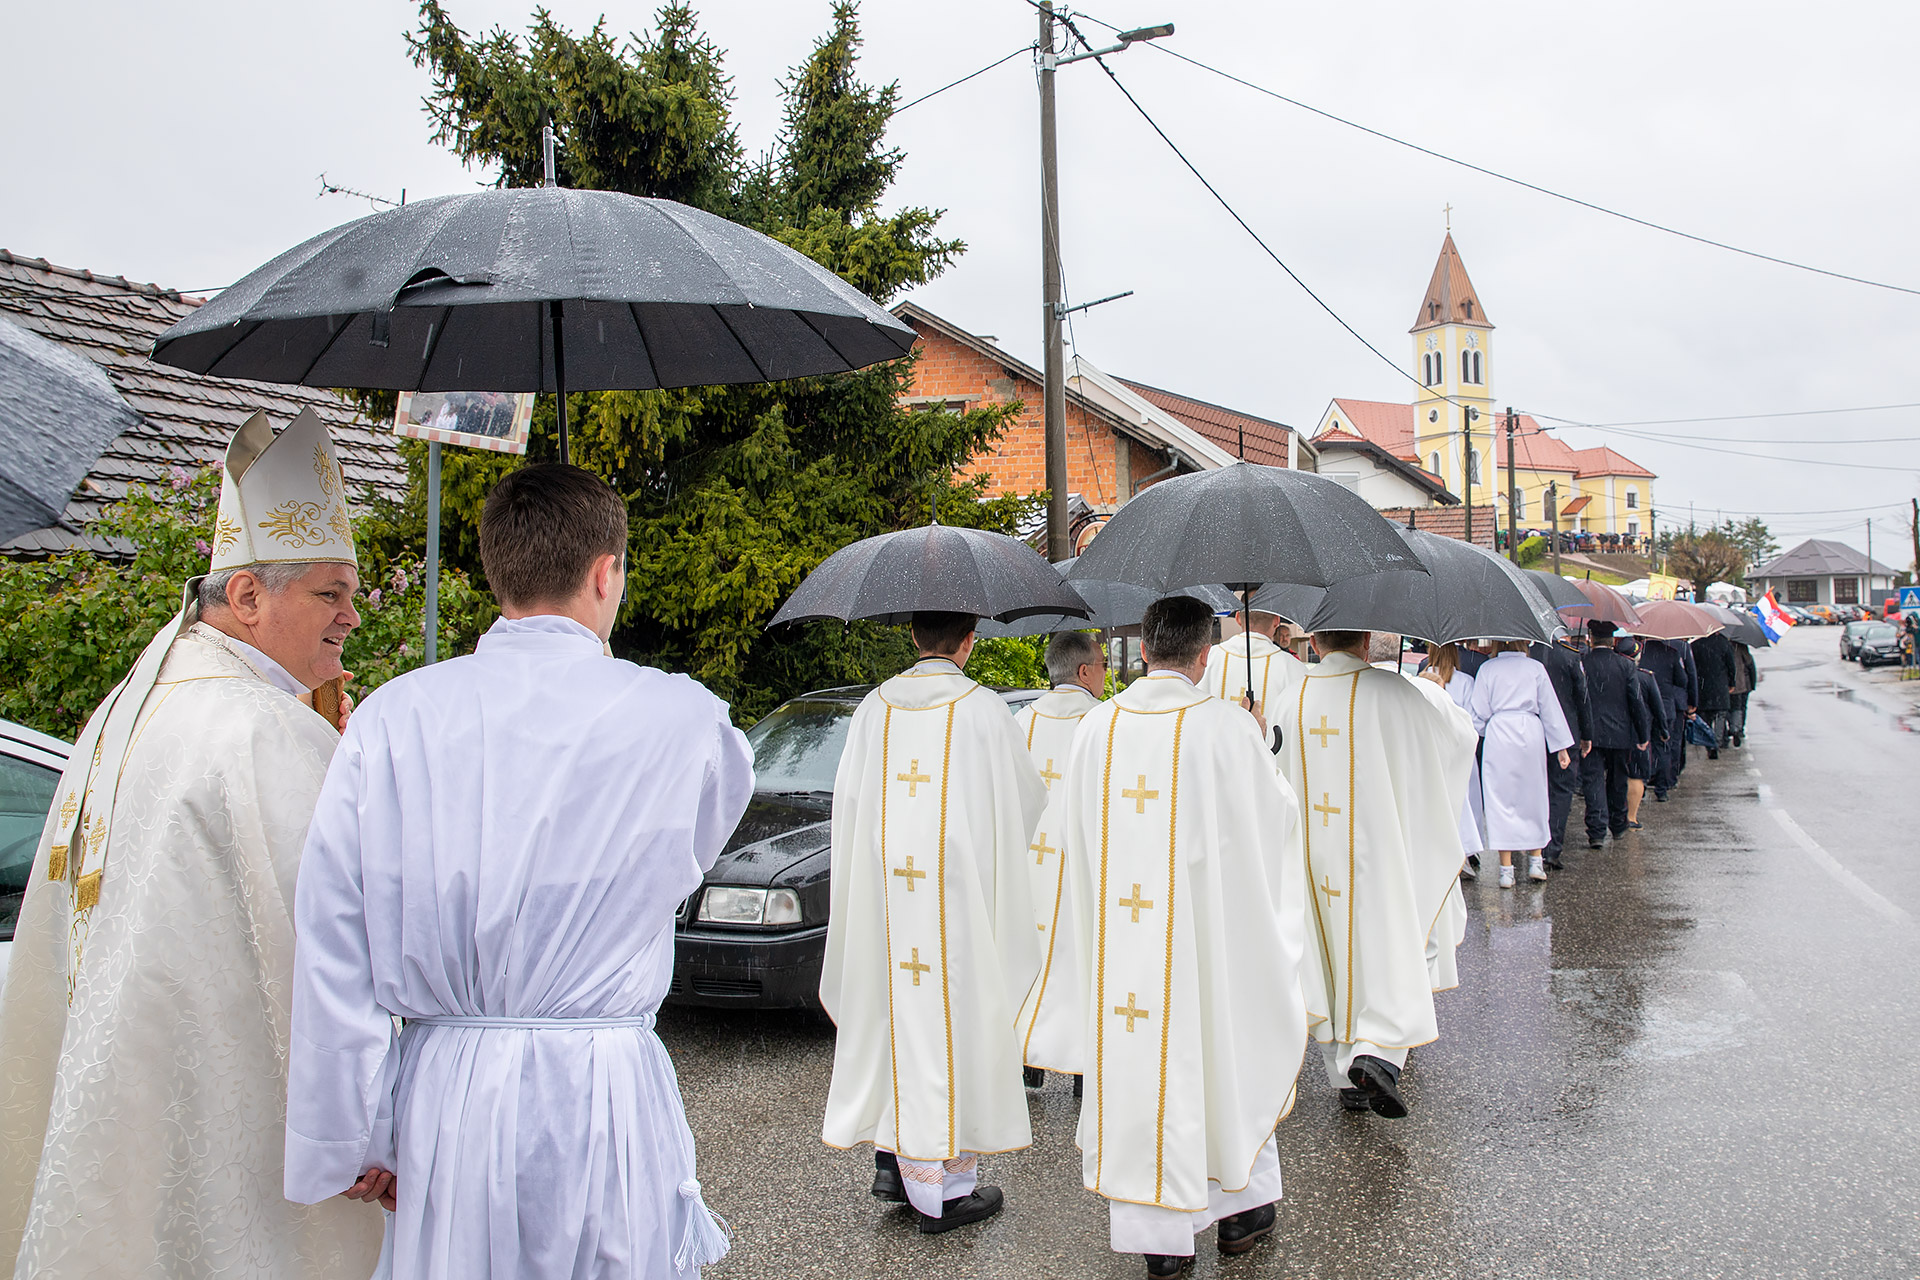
1181	839
1051	1020
1516	710
931	946
143	1038
1271	678
507	835
1381	770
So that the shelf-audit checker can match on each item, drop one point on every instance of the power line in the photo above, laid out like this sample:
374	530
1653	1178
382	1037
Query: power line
1521	182
1768	457
1731	417
963	79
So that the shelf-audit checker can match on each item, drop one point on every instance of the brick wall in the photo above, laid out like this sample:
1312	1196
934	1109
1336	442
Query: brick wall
1450	522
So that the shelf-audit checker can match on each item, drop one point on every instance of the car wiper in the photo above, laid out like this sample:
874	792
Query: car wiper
802	792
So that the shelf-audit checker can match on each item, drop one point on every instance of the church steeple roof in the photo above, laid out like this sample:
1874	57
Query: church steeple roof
1450	297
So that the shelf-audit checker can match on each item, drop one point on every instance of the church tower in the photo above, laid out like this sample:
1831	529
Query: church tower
1453	358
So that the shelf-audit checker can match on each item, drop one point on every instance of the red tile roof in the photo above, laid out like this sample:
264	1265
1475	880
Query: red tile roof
1533	447
1266	440
1578	505
1388	425
1602	461
1450	297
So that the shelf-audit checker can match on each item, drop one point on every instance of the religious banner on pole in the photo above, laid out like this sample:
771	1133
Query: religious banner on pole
496	420
1662	587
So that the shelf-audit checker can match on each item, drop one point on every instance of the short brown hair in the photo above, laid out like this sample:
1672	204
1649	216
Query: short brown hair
1175	631
942	633
1337	641
542	529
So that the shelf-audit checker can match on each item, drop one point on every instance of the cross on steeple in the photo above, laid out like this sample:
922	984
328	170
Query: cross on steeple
1040	849
914	966
1326	887
1139	795
913	778
1323	732
909	874
1128	1012
1137	904
1449	212
1049	775
1325	810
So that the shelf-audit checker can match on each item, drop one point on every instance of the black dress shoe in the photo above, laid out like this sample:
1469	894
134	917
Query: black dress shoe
1381	1081
1035	1077
1595	844
1242	1231
1163	1266
1661	796
886	1178
978	1207
1553	864
1713	753
1355	1100
1079	1085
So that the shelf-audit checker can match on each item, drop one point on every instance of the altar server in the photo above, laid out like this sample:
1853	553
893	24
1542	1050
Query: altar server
1518	714
1180	842
497	856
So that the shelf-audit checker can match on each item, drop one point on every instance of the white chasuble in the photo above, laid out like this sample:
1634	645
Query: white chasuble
1381	770
931	945
1179	840
1270	678
1515	708
1051	1020
144	1028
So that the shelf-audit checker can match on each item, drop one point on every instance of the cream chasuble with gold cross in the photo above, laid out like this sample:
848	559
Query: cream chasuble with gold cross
1179	839
931	946
1274	674
1381	770
1051	1020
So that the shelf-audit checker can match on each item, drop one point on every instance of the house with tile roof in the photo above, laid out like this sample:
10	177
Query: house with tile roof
1450	441
187	419
1819	571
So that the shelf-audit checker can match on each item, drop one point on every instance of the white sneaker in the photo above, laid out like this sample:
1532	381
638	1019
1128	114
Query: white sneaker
1506	877
1536	868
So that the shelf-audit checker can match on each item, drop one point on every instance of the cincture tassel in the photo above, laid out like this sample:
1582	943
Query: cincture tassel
706	1238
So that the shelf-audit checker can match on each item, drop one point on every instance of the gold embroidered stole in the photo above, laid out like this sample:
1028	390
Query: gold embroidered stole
1328	793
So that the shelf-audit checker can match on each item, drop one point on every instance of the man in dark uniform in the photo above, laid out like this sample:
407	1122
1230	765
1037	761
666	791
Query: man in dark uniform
1562	662
1662	658
1641	763
1620	725
1713	657
1679	744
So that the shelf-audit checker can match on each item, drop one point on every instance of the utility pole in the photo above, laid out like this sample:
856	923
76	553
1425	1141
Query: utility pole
1059	544
1869	600
1916	539
1553	521
1466	466
1513	498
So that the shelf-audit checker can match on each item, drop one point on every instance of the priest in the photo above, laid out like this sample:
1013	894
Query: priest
1381	770
1050	1022
497	857
1263	684
144	1026
931	945
1180	842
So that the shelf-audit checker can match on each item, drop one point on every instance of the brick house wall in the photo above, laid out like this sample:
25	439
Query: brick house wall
1449	522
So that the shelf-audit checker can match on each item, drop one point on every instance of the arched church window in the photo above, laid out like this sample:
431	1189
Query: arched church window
1435	460
1476	368
1466	366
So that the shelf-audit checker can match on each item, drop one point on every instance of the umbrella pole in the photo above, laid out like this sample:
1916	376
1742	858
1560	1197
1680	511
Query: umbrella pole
557	309
431	614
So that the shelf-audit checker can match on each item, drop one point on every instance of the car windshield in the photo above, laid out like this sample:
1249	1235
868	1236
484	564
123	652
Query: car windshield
26	793
797	748
1880	631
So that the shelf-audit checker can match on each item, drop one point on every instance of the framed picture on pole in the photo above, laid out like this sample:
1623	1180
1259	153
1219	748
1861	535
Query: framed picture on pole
496	420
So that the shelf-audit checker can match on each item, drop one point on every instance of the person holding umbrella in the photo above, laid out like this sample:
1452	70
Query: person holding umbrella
1746	678
1621	727
1662	658
1641	762
1714	660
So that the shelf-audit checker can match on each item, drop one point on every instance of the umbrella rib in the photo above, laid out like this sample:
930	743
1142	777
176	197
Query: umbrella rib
646	348
752	359
327	349
435	338
225	351
819	333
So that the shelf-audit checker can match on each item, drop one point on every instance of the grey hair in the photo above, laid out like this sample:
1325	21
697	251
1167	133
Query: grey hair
1067	652
273	578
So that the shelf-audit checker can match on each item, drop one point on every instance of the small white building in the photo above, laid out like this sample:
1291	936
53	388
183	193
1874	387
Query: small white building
1821	572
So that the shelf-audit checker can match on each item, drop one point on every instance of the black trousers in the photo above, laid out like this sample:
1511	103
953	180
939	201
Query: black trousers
1668	763
1603	778
1562	784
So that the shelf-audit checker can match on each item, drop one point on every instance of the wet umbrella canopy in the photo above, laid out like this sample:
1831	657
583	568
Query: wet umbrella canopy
536	289
1114	605
1741	627
1466	593
891	577
58	413
1674	620
1560	593
1600	603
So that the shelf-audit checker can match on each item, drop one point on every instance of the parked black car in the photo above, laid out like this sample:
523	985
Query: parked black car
1879	643
1850	639
753	935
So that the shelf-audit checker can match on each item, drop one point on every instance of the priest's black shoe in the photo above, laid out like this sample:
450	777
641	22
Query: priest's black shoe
886	1178
1164	1266
1381	1080
1242	1231
978	1207
1035	1077
1355	1100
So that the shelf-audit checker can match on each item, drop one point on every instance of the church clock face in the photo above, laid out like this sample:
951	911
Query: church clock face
1473	340
1433	343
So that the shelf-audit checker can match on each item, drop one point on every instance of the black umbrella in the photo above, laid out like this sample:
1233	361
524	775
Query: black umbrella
1244	525
1466	593
940	568
58	413
1741	627
1560	593
536	289
1114	605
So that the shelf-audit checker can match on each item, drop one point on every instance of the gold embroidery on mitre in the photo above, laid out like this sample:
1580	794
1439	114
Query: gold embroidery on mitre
57	862
338	522
323	469
225	534
296	523
86	894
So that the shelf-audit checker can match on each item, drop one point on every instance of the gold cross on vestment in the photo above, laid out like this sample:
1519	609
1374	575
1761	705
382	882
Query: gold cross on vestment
914	966
1325	810
1323	732
1128	1012
1048	773
1326	887
913	778
1139	795
909	874
1040	849
1137	904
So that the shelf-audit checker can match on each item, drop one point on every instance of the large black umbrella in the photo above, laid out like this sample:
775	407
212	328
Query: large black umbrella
58	413
940	568
1741	626
1113	605
1466	593
536	289
1560	593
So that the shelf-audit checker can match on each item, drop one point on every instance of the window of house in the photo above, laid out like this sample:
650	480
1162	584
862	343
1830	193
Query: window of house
1633	499
1802	591
1633	528
1435	460
1846	591
1348	479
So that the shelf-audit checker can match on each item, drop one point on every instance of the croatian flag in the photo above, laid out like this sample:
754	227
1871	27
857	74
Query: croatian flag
1772	618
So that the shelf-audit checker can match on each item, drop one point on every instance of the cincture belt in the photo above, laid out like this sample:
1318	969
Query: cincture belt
644	1021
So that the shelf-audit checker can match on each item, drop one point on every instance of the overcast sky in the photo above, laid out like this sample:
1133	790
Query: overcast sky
182	143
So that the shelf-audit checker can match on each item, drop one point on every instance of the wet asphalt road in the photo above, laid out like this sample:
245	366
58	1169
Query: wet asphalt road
1691	1054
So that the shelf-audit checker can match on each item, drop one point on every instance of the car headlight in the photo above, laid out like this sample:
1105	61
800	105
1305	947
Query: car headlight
731	904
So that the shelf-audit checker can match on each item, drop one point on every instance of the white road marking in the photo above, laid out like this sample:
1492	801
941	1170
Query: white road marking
1850	882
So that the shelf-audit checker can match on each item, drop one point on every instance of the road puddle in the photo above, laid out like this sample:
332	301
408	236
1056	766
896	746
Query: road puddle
1899	721
1668	1014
